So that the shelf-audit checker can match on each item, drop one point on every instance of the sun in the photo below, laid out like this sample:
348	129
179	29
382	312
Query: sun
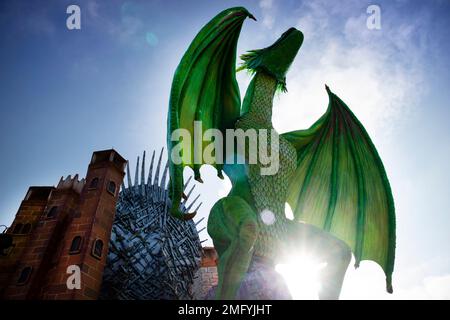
301	274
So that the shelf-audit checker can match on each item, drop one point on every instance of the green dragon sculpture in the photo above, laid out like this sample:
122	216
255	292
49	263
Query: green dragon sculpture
330	174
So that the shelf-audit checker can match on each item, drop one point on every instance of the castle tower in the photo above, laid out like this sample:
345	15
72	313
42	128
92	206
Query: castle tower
71	226
41	251
62	210
30	211
85	243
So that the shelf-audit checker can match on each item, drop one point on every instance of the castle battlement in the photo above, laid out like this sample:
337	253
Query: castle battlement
71	183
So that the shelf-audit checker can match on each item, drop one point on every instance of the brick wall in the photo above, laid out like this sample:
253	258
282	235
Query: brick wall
30	211
206	277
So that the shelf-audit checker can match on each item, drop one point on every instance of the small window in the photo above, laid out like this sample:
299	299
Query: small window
24	276
52	212
75	246
97	248
26	228
18	228
94	183
6	244
112	187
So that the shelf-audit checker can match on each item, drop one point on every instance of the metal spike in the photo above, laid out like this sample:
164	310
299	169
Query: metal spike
198	222
198	207
187	182
143	173
189	194
150	172
201	229
163	179
136	174
193	202
143	169
158	168
129	175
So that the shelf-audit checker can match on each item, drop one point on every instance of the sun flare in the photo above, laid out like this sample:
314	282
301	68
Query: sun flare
302	276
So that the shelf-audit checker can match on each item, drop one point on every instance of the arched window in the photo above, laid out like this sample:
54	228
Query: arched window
75	246
6	244
112	187
24	276
26	228
18	228
52	212
94	183
97	248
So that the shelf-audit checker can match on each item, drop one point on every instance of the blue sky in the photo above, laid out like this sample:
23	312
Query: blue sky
64	94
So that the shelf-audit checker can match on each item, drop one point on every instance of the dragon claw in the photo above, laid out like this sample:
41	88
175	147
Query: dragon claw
189	216
199	179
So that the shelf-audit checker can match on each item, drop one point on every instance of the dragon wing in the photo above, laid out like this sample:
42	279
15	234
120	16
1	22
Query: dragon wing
205	89
340	185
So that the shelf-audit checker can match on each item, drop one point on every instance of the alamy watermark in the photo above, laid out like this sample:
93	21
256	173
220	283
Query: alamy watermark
74	280
73	21
209	147
373	21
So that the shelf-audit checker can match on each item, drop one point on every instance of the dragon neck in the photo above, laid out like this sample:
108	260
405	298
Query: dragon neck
258	101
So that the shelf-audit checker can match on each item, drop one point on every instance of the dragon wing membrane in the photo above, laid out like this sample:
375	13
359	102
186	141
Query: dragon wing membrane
205	89
340	185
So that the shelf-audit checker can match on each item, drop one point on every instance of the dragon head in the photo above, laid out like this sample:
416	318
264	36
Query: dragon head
277	58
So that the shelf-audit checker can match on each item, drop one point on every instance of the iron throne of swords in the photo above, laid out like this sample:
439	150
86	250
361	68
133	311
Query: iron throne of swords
151	254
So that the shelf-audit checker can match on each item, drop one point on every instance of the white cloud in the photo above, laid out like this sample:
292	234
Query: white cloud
266	4
93	9
377	73
314	20
131	30
438	287
268	13
128	29
368	282
432	287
